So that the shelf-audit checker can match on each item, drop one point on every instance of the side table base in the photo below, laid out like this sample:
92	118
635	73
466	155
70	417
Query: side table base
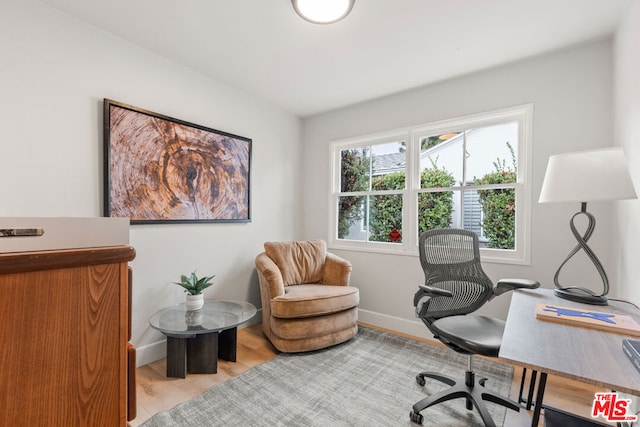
176	357
202	354
228	344
198	354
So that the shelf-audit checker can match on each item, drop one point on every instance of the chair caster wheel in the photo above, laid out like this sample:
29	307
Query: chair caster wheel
420	380
416	418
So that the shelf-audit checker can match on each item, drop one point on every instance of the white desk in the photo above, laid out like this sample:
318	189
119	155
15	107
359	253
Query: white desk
582	354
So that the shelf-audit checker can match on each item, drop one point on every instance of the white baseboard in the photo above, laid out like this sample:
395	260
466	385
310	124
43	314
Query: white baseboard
410	327
151	352
158	350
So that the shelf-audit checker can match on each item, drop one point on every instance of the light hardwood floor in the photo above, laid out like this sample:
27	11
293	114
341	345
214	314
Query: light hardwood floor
156	392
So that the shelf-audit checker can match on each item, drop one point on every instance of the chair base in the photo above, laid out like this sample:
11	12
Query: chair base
475	396
312	343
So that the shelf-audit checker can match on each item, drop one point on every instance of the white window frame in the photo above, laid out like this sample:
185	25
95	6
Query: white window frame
522	114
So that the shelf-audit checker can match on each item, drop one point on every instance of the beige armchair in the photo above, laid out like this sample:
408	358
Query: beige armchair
307	303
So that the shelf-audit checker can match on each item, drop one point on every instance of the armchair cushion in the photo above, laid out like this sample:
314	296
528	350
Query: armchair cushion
299	262
307	328
313	300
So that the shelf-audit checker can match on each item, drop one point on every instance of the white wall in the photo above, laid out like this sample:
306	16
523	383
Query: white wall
54	73
627	131
572	96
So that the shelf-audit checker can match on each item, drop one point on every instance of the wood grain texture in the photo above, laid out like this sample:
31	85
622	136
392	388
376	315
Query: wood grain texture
63	334
163	170
15	262
132	401
588	355
588	318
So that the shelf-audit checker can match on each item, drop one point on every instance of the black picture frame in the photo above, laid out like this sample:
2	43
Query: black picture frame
159	169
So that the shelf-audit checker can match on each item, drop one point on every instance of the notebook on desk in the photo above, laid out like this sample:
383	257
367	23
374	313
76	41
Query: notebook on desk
632	349
588	318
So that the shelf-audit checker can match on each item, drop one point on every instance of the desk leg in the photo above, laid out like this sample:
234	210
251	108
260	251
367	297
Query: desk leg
176	357
532	385
228	344
202	354
522	381
539	396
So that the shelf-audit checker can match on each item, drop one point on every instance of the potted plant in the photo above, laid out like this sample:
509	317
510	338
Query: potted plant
193	287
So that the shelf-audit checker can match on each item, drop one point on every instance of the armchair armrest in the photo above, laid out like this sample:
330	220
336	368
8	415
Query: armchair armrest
270	275
507	285
337	271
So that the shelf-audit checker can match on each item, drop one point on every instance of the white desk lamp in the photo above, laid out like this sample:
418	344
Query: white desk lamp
586	176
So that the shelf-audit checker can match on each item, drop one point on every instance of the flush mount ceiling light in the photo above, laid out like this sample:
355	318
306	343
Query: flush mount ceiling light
322	11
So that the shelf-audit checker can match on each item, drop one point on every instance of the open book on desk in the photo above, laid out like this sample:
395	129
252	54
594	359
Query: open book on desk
611	322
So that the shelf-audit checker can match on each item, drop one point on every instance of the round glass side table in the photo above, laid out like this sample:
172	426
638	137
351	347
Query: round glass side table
196	339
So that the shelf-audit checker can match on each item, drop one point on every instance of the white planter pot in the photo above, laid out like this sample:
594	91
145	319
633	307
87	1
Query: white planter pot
194	302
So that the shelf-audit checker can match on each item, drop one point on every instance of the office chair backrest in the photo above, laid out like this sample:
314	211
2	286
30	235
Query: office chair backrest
450	259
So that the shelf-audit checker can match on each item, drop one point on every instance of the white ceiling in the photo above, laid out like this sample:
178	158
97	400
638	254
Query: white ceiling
384	46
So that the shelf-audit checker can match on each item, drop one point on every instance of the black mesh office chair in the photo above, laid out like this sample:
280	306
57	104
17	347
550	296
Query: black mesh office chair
455	285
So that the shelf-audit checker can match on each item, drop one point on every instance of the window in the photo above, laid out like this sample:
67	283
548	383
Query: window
470	173
372	186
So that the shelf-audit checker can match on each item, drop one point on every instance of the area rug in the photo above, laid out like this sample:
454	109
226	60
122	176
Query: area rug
367	381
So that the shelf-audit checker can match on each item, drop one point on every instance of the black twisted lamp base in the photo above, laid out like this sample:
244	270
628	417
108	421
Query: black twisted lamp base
576	293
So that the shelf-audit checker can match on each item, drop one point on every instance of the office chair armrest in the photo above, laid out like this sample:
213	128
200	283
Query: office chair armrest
425	294
508	285
435	291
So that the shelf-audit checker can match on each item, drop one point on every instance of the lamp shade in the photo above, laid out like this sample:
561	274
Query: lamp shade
587	176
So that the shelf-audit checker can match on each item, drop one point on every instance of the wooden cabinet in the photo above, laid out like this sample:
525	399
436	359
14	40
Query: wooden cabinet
64	331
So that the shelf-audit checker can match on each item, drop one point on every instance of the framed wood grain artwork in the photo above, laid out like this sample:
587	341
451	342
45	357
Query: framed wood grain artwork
158	169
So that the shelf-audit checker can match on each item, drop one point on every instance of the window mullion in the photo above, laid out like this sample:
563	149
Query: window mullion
463	184
410	198
464	158
504	185
370	170
367	214
370	193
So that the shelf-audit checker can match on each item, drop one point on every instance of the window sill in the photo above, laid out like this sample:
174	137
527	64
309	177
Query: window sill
489	256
